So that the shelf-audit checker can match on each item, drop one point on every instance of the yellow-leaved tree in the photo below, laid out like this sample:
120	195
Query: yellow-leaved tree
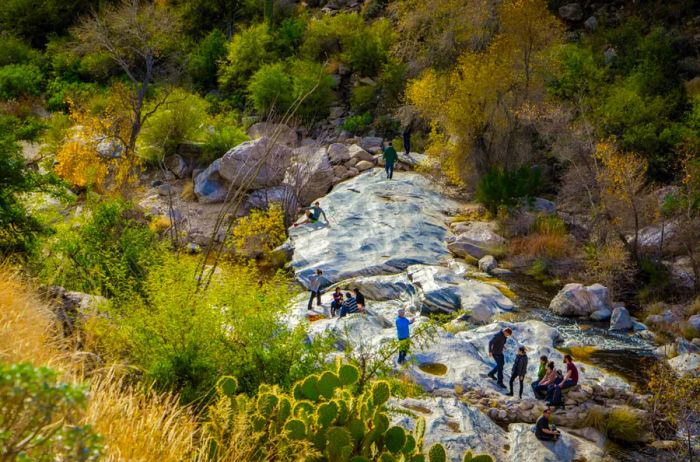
474	108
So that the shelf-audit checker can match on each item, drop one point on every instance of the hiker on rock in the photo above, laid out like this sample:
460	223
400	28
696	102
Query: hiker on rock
550	378
349	306
541	371
519	370
569	380
402	332
360	298
313	214
390	158
496	346
315	288
543	431
337	301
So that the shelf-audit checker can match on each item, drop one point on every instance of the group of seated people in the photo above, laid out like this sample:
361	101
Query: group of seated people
350	302
551	382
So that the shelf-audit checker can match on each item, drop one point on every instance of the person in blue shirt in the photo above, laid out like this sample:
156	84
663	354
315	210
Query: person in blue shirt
312	214
402	331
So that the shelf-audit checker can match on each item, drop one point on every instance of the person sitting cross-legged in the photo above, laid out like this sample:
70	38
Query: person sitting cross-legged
543	431
349	305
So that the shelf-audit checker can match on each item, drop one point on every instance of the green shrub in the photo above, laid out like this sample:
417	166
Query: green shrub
247	52
225	134
184	342
14	51
58	92
550	226
357	124
271	89
183	118
108	251
204	59
504	188
363	98
41	417
18	80
311	83
328	36
624	424
289	35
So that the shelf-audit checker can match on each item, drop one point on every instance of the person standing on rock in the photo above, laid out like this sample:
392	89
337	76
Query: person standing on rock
496	346
519	370
543	431
403	333
390	158
315	288
313	214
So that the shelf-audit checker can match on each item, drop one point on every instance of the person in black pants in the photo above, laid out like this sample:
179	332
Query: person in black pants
315	288
519	371
543	431
407	139
496	346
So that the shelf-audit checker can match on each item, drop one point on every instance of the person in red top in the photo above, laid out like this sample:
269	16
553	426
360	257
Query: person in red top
570	379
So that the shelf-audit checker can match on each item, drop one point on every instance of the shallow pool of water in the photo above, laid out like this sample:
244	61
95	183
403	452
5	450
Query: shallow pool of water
433	368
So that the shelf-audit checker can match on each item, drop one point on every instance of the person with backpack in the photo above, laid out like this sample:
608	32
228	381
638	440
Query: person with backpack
543	430
519	370
549	378
403	334
496	346
390	158
570	379
315	288
337	301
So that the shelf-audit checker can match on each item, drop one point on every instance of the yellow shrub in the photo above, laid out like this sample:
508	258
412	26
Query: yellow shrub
188	192
625	424
259	233
159	224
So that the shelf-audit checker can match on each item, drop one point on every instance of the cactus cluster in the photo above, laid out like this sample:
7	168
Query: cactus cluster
323	415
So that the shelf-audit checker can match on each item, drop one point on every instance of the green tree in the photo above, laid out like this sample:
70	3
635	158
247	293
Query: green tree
203	63
36	20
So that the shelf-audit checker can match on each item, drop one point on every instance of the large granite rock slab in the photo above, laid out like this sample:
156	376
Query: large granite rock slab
310	173
525	447
256	164
376	227
281	133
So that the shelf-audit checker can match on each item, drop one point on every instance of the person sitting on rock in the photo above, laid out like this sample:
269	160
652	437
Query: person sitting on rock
549	379
541	371
543	431
496	346
359	296
569	380
349	305
519	370
390	158
403	334
337	301
313	214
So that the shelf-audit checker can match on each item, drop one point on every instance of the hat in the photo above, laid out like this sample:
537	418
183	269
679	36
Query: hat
401	310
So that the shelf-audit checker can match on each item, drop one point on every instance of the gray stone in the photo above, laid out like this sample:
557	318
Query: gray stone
591	24
601	315
364	165
209	186
571	12
543	206
524	446
256	164
577	300
262	199
280	133
177	165
165	189
474	239
686	363
338	153
694	322
356	152
487	264
684	347
370	142
310	174
620	319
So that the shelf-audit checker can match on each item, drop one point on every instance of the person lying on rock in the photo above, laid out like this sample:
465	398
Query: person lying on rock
549	378
402	332
519	370
313	214
541	371
569	380
496	346
349	306
543	431
337	301
390	158
315	288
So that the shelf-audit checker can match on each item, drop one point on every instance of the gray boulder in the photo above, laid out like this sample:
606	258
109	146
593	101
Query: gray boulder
364	165
601	315
262	199
487	264
356	152
694	322
542	205
688	363
256	164
177	165
281	133
620	319
371	143
591	24
524	446
474	239
338	153
310	174
578	300
571	12
209	186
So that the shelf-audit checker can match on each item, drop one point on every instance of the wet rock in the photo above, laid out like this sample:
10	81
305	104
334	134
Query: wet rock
256	164
578	300
620	319
177	165
209	186
487	264
571	12
281	133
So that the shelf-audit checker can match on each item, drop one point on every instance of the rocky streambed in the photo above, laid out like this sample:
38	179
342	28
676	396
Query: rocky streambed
393	241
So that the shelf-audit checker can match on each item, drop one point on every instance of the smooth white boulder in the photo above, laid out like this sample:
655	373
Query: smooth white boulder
688	363
578	300
256	164
525	447
474	239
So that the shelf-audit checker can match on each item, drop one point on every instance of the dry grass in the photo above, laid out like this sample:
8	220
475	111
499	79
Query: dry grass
187	193
159	224
537	245
26	325
138	425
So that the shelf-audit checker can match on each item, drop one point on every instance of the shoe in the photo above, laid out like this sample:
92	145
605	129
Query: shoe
509	394
492	376
501	385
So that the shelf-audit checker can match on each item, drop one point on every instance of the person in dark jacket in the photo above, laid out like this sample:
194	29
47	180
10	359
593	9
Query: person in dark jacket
360	298
519	370
390	158
337	301
496	346
543	429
